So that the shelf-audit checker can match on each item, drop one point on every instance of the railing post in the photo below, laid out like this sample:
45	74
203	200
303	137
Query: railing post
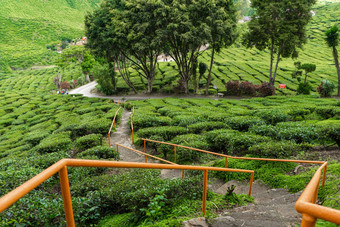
117	148
109	136
183	174
133	138
146	157
65	190
324	175
225	162
175	153
205	185
251	183
308	221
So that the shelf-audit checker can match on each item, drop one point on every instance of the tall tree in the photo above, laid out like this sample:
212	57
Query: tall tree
332	39
100	34
183	33
221	20
279	26
137	28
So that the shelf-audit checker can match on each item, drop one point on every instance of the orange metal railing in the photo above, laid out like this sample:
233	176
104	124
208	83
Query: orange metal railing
132	132
147	155
61	168
113	124
305	204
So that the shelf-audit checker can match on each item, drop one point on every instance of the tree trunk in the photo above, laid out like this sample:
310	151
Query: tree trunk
305	79
186	86
272	82
336	61
149	85
209	74
271	61
112	74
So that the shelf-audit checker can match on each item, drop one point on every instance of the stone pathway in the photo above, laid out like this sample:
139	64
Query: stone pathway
272	207
123	136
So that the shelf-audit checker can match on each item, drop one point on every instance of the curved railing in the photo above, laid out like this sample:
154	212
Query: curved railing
113	124
306	202
61	168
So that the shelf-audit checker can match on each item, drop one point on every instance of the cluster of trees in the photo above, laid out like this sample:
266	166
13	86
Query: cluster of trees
132	34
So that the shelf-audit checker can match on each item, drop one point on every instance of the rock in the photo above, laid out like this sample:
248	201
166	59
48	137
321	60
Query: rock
196	222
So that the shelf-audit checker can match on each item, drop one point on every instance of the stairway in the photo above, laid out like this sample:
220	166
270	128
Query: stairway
272	207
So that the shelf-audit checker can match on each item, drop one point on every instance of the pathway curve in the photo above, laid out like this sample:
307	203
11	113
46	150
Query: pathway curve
122	136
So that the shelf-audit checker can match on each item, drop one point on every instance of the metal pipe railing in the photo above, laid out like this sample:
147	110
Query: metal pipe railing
61	167
306	202
113	124
147	155
132	132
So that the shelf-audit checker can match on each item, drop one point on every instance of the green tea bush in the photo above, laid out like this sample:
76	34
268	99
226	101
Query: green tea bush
277	149
207	126
144	121
243	123
273	116
166	132
54	143
330	132
130	191
101	152
88	141
189	140
36	136
328	111
185	120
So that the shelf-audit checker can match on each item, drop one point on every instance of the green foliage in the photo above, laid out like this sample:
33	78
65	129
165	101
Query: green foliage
54	143
207	126
304	88
326	88
166	132
88	141
101	152
243	123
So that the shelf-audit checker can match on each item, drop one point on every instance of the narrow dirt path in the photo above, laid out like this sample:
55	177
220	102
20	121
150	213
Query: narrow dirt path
122	136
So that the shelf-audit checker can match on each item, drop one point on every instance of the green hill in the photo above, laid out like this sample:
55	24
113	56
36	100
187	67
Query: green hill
27	26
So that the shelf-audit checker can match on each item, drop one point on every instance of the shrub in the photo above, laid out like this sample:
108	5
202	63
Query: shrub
144	121
185	120
331	132
233	87
189	140
273	116
265	89
36	136
247	88
277	149
243	123
101	152
65	85
304	88
326	88
54	143
88	141
166	132
207	126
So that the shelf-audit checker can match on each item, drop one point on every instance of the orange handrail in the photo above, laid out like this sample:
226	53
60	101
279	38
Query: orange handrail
132	133
306	202
114	125
307	207
61	167
147	155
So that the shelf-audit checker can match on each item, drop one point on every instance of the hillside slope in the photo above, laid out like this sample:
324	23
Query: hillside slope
27	26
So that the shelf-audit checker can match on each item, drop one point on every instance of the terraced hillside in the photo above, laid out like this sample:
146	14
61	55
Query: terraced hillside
27	26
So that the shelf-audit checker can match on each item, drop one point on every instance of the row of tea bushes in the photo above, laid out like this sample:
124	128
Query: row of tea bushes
269	127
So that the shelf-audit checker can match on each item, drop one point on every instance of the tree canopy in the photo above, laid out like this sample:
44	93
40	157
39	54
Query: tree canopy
279	26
